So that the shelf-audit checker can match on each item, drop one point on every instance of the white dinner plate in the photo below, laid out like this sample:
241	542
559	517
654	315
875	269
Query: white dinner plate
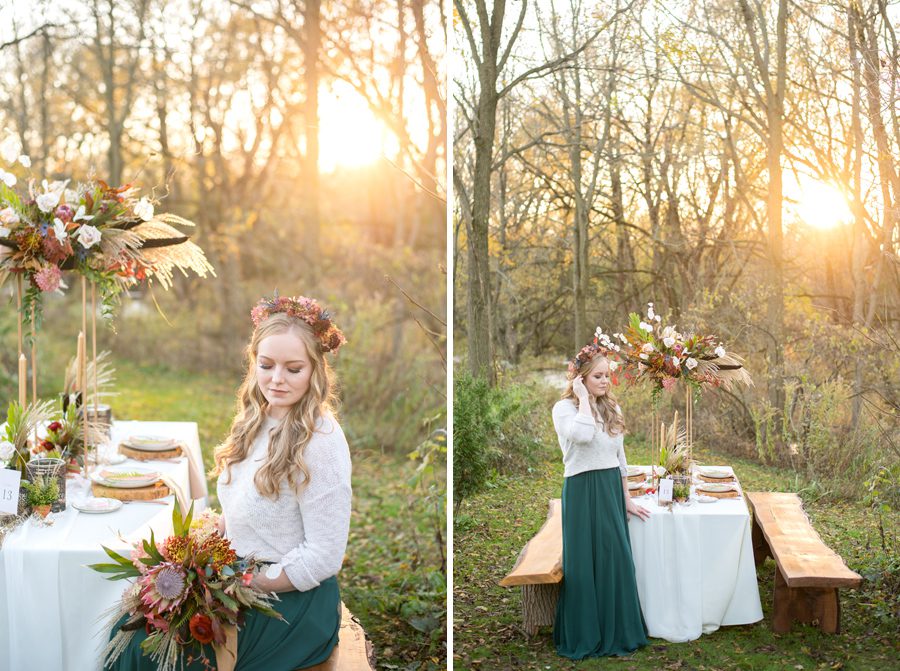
717	487
635	470
98	505
150	443
714	471
635	485
701	498
125	477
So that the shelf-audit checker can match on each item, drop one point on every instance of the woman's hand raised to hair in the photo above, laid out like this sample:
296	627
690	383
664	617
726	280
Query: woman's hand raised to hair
580	391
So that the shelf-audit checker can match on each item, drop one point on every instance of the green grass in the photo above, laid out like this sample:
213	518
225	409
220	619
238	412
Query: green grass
492	527
391	578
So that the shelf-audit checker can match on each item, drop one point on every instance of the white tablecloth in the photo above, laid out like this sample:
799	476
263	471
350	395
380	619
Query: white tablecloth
694	567
51	606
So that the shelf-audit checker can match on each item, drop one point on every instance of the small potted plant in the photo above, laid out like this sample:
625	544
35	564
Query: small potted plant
42	493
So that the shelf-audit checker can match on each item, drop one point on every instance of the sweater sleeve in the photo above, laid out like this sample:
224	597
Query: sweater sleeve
325	509
623	464
571	425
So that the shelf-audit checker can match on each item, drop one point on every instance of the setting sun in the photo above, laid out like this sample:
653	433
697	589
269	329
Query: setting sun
349	134
822	205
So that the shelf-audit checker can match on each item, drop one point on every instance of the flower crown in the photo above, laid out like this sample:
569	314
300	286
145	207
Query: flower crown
305	309
599	345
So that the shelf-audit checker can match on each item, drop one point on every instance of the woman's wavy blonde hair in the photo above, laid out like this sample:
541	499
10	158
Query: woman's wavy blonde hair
604	408
288	440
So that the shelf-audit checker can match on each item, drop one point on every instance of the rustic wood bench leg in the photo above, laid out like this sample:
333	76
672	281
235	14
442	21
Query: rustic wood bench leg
761	548
539	606
819	606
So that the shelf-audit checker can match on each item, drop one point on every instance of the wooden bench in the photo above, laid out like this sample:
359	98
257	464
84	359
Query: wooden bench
353	652
808	572
538	571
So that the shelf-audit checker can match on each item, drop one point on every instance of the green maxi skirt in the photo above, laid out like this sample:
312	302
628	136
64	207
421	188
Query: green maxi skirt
598	613
266	644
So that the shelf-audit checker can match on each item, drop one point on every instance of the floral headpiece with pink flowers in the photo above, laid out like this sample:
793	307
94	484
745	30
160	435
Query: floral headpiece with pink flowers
306	309
602	345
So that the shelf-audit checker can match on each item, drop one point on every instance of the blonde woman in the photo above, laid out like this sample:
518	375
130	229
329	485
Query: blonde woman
598	613
284	486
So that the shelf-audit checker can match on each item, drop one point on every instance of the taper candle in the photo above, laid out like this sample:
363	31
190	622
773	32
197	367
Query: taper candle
23	380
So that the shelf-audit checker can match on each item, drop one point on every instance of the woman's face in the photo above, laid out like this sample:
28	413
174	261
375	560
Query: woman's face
283	371
597	379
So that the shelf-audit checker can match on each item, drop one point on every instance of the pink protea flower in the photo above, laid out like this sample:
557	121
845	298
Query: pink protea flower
65	213
48	279
163	587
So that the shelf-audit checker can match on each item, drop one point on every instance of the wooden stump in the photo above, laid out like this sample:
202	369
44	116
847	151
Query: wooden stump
539	606
354	652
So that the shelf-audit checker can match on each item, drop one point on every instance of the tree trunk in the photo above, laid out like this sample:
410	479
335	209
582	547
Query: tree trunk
311	44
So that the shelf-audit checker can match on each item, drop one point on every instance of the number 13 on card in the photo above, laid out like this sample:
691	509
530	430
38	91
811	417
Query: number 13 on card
9	491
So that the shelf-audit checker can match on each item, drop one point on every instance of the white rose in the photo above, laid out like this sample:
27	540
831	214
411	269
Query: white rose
25	161
648	347
88	236
668	342
644	356
691	363
60	229
9	216
7	449
47	201
720	351
144	210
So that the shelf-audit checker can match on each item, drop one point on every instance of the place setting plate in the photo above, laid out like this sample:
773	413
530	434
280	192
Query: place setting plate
125	477
97	505
150	443
716	487
636	474
716	472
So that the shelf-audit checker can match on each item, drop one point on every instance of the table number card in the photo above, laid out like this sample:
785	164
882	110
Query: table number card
665	490
9	491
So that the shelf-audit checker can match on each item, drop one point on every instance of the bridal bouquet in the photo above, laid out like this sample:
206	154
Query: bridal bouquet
190	589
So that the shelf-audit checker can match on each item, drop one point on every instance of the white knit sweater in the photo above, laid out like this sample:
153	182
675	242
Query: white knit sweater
305	534
585	444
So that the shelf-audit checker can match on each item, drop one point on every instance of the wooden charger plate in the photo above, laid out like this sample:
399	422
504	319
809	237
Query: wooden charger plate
729	478
144	455
733	494
636	492
149	493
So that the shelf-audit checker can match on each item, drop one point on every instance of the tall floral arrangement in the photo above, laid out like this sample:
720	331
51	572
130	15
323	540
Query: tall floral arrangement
112	235
660	354
188	590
